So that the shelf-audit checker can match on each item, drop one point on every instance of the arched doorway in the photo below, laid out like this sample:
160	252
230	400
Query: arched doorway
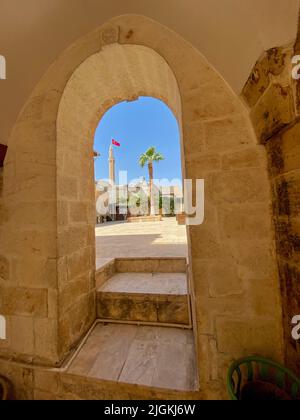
217	144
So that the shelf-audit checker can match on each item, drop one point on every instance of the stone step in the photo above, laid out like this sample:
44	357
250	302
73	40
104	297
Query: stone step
151	265
154	357
156	298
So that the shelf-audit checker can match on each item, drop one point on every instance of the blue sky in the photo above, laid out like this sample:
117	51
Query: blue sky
137	126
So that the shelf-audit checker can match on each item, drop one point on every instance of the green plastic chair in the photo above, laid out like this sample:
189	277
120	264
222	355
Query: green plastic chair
257	368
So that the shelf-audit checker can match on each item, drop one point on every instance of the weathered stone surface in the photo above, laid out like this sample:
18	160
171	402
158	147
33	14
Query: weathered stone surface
206	99
109	34
244	224
273	112
213	100
276	58
46	338
26	302
4	268
253	157
284	151
238	187
226	134
151	265
105	273
143	307
22	335
258	82
288	194
240	337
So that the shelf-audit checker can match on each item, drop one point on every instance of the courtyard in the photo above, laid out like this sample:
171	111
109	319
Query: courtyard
144	239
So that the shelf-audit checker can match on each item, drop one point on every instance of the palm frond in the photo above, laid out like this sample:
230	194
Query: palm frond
151	155
143	160
158	157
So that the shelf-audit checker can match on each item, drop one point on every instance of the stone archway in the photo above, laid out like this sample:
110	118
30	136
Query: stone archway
115	74
236	291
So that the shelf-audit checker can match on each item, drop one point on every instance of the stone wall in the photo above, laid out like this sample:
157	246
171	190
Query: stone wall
48	191
273	99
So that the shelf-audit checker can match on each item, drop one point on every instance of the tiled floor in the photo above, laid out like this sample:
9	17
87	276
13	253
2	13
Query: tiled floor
149	356
159	239
157	283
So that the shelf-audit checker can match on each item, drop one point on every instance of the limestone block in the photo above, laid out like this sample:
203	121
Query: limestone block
40	107
258	82
198	164
46	381
246	337
243	186
105	273
53	303
35	139
36	272
126	307
256	260
277	60
22	335
33	214
204	242
44	396
21	377
284	151
223	279
245	222
285	239
273	112
68	187
151	265
24	302
62	272
45	331
192	71
264	298
62	213
79	263
69	295
40	187
208	309
213	100
4	268
109	34
275	156
35	242
287	194
72	239
77	211
193	139
254	157
228	133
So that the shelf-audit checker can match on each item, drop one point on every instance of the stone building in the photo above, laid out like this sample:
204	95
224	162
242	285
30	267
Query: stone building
225	69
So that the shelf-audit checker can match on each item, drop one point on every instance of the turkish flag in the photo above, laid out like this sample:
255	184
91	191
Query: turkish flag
115	143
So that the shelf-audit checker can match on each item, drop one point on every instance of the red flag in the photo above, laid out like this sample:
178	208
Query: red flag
115	143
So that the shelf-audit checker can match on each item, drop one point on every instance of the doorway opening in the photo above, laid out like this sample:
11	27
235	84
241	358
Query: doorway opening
138	178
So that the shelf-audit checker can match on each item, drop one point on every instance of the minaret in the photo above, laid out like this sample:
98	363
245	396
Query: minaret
111	160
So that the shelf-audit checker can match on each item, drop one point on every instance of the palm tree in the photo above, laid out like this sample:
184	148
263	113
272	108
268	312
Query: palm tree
148	158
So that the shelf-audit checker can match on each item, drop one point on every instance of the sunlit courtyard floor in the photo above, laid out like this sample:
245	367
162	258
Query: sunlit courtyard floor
130	240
